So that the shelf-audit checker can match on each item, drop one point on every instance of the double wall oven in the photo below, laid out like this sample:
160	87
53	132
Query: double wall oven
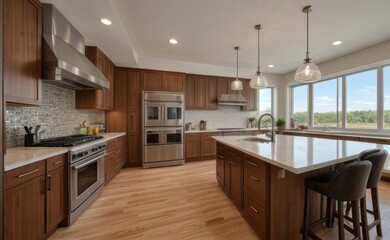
163	114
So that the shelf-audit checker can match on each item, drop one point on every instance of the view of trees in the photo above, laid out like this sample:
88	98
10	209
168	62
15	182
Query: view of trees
355	119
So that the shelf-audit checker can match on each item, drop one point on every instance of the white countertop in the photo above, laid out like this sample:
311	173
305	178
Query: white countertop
299	154
21	156
225	130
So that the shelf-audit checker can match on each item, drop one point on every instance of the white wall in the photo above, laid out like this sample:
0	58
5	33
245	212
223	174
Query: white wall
372	56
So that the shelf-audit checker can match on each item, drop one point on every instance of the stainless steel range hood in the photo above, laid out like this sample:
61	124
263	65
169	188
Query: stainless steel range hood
232	99
64	62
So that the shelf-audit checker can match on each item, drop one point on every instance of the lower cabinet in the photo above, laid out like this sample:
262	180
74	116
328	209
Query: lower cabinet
115	158
35	194
244	180
200	146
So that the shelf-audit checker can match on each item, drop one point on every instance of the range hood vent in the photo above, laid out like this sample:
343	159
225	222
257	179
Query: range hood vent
64	62
232	100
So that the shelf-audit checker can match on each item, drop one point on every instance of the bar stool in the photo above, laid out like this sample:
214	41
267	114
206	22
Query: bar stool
378	160
348	184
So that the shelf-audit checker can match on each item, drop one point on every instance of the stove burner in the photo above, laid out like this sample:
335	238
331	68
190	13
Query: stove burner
67	141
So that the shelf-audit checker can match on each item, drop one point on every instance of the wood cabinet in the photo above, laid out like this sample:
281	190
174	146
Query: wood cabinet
115	158
56	192
250	95
162	81
98	99
201	92
200	146
22	41
134	129
35	194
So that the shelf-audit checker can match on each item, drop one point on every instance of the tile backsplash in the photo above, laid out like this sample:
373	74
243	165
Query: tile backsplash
224	117
57	115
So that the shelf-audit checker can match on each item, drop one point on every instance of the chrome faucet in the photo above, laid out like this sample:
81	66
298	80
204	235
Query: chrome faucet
273	125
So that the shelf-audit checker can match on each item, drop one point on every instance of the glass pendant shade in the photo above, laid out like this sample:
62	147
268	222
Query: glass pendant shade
236	85
308	72
258	81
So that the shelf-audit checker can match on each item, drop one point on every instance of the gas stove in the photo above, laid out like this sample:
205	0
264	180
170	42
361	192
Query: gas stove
67	141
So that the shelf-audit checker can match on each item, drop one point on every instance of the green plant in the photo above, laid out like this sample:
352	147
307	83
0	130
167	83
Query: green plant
251	119
280	122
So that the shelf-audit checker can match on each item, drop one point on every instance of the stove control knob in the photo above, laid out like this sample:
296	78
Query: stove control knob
74	155
100	147
94	149
86	152
80	154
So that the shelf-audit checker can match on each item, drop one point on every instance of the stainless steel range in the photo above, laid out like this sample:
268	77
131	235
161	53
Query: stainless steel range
85	170
163	114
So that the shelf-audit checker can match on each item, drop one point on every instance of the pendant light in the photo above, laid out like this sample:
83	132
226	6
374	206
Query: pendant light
236	84
308	71
259	80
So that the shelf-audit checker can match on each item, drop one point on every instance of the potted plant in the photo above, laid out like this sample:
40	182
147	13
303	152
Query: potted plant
281	123
251	121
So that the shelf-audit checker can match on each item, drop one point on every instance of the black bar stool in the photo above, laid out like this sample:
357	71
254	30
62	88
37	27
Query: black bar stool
378	160
348	184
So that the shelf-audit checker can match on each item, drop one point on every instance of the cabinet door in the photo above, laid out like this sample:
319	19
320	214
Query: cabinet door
134	90
207	146
192	146
134	122
173	82
109	93
24	210
190	95
22	51
134	149
226	182
222	87
236	182
152	80
201	92
100	64
250	95
212	93
55	198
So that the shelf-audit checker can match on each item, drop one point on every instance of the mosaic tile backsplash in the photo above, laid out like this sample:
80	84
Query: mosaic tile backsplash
57	116
224	117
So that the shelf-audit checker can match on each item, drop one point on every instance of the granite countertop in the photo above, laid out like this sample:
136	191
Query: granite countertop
21	156
219	130
299	154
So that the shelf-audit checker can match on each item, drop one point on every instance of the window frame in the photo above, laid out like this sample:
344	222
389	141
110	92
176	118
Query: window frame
342	77
273	105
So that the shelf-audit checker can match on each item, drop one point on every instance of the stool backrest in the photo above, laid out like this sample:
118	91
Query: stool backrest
378	161
349	184
364	154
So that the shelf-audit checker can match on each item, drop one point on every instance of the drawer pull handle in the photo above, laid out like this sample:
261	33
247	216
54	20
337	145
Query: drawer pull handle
254	209
252	163
48	183
232	163
221	157
232	154
58	162
28	173
256	179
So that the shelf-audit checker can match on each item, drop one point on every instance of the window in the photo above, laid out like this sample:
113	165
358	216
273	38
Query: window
386	97
300	104
327	106
266	100
362	100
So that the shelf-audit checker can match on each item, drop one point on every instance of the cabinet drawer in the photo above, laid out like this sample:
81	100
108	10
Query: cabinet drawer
220	151
256	215
192	135
254	183
23	174
55	162
233	155
220	171
256	165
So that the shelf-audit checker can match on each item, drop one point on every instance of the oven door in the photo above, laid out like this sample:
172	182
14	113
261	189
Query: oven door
153	114
86	176
173	114
173	148
154	136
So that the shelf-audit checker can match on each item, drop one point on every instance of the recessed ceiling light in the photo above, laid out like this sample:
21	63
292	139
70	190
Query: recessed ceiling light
271	66
172	41
105	21
335	43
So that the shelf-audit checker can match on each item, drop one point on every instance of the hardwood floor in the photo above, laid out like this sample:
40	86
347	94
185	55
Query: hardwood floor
182	202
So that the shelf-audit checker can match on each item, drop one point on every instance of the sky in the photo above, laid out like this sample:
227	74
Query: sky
361	93
265	100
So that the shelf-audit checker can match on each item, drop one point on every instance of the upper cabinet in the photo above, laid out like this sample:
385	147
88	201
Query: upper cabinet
163	81
22	51
201	92
250	95
98	99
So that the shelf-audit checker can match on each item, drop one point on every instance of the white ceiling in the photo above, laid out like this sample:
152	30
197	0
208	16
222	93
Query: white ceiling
207	30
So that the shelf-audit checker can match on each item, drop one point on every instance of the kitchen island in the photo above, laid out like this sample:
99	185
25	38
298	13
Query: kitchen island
265	180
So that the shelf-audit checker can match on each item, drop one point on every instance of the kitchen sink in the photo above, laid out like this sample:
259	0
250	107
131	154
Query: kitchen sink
256	139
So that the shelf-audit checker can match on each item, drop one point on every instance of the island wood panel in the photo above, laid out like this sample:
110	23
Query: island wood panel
22	41
2	132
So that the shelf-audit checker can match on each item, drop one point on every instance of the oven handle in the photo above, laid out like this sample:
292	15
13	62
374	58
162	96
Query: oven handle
89	162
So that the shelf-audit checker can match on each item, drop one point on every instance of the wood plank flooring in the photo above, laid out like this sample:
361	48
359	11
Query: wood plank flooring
182	202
